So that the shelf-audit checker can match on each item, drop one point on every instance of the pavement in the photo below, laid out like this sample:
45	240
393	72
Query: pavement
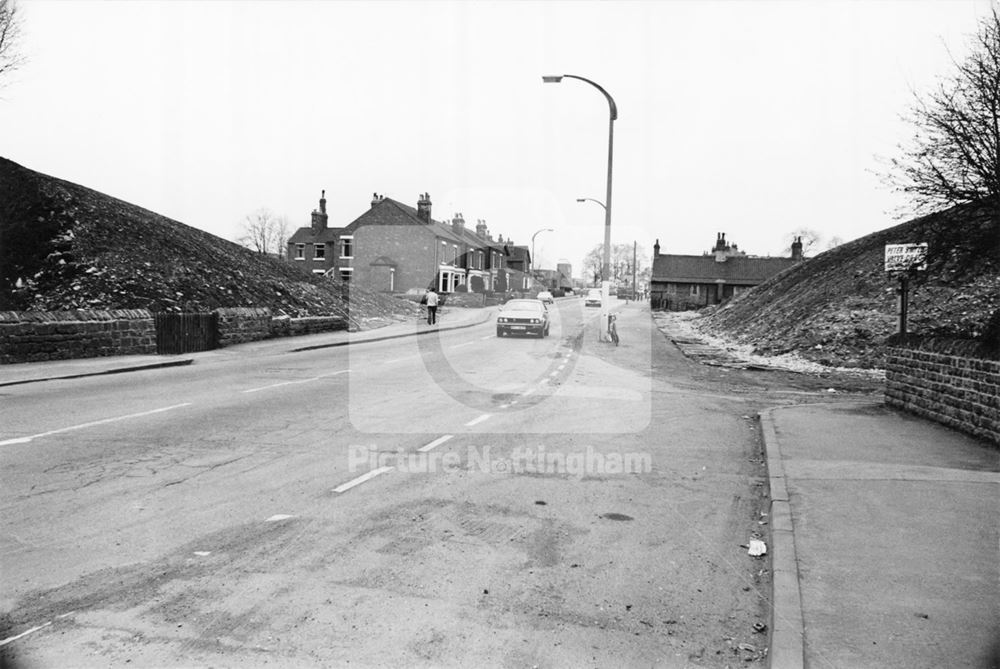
885	540
450	318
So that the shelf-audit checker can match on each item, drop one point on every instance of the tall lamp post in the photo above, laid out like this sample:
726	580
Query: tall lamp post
606	264
533	249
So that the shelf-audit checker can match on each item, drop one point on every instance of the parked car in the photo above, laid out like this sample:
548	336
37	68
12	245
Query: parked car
546	297
593	298
523	317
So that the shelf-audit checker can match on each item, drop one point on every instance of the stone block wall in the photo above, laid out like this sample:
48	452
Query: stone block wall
242	324
35	336
960	392
293	327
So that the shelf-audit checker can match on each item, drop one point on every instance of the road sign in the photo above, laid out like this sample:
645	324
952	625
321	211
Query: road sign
902	257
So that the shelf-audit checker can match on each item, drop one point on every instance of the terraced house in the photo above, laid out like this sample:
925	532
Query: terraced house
394	247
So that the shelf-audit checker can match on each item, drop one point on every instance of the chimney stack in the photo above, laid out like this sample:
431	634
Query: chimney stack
481	229
319	217
656	248
458	224
797	249
424	208
376	198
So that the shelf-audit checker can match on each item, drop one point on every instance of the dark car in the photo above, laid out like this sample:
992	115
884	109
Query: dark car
523	317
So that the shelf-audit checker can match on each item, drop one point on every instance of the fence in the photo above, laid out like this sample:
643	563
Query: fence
186	333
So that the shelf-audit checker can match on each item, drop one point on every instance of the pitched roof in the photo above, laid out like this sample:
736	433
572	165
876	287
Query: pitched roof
307	236
704	269
390	212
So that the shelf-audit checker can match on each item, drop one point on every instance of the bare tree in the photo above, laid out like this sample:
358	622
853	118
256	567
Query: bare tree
834	242
954	154
264	233
621	262
10	34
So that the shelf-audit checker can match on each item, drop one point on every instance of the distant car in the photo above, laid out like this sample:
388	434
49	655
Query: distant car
593	298
523	317
546	297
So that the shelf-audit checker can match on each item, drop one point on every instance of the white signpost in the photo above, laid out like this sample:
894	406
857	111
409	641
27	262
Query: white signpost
903	259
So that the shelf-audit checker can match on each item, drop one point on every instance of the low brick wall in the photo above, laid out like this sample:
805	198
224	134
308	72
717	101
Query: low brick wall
960	392
293	327
242	324
35	336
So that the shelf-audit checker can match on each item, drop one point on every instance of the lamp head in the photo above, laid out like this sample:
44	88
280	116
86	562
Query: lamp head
581	199
552	78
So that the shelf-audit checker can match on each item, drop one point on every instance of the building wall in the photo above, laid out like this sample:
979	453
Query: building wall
413	248
962	393
309	260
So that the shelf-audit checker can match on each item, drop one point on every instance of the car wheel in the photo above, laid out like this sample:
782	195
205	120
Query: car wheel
499	332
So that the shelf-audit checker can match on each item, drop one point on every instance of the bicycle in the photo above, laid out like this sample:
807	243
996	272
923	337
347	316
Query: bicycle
612	328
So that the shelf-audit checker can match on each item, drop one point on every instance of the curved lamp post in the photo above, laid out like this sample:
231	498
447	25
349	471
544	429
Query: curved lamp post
533	249
606	262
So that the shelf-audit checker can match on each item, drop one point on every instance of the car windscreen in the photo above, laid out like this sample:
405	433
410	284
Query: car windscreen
523	305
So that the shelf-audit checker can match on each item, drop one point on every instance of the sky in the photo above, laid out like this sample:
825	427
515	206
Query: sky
751	118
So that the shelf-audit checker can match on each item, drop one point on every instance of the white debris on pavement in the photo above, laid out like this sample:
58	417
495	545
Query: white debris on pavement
757	548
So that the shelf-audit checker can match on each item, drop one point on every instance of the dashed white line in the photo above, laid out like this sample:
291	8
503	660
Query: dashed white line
24	440
289	383
409	357
361	479
555	373
529	391
434	444
477	421
468	343
278	516
4	642
487	337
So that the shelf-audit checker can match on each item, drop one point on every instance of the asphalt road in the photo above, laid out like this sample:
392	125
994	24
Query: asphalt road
443	500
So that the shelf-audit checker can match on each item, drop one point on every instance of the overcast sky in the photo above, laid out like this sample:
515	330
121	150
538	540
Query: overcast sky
750	118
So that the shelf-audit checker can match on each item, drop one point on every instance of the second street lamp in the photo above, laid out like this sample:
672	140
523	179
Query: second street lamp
533	249
606	264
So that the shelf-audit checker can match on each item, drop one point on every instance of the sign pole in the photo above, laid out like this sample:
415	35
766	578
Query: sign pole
904	302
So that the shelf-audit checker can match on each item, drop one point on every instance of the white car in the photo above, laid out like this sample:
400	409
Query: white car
593	298
523	317
546	297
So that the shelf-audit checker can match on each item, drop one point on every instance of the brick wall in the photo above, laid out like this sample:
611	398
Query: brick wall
960	392
34	336
243	324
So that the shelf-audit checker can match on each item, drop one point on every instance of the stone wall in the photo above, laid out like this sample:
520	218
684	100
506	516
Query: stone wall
293	327
960	392
242	324
35	336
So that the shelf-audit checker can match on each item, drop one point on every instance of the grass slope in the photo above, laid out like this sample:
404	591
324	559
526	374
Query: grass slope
64	246
839	307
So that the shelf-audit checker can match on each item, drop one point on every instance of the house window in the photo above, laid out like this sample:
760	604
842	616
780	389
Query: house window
694	290
345	273
300	251
319	252
347	247
479	259
454	261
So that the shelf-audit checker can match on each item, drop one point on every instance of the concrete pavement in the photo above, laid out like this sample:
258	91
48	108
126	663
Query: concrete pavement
884	540
452	318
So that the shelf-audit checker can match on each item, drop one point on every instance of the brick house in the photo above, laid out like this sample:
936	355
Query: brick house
681	282
394	247
316	246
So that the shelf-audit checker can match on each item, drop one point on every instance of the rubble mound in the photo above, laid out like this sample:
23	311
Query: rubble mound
64	246
840	307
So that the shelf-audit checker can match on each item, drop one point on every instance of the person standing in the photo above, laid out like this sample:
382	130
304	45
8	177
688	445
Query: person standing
432	306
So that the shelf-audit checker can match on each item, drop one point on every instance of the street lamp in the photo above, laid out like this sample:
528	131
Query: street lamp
606	263
533	249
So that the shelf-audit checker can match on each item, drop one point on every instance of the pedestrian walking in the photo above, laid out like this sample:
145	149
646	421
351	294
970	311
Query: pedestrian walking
432	306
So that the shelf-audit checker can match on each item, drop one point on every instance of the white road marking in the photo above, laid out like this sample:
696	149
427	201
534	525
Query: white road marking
504	406
476	421
25	633
289	383
529	391
409	357
278	516
468	343
24	440
555	373
361	479
488	337
434	444
202	553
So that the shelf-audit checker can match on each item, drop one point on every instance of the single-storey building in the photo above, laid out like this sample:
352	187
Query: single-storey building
681	282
